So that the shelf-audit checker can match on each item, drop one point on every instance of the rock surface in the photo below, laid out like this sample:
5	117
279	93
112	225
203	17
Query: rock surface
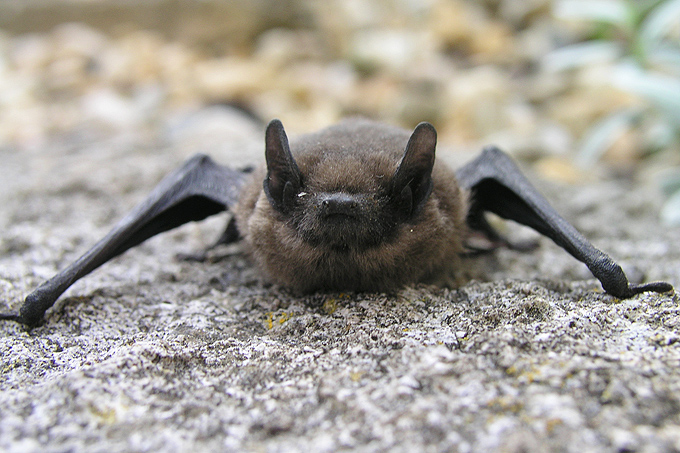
100	99
150	353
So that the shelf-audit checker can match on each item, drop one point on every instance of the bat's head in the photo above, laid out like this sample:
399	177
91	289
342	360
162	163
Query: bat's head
349	190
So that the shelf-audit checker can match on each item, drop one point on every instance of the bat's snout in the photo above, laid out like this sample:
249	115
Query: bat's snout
340	203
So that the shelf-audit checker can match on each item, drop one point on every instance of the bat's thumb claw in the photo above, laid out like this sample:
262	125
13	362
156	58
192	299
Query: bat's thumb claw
657	287
11	317
615	282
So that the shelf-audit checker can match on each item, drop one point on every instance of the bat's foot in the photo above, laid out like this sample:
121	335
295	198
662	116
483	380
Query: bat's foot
523	246
480	244
198	257
229	236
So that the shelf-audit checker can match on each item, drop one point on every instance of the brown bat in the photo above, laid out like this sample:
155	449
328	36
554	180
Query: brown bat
357	206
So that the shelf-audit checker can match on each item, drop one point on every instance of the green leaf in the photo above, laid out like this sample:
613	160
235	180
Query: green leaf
658	23
661	90
665	57
603	135
670	212
582	54
671	183
658	132
604	11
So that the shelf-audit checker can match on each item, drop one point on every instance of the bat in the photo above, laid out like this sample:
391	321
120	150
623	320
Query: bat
359	206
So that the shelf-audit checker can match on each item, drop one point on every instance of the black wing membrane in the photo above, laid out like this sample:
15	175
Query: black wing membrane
198	189
497	185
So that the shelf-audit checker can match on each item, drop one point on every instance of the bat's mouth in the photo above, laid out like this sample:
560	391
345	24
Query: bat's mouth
341	217
342	232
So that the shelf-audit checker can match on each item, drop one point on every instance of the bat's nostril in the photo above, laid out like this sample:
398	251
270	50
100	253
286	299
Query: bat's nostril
339	203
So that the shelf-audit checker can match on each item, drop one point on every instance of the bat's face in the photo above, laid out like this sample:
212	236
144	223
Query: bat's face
357	206
344	218
344	200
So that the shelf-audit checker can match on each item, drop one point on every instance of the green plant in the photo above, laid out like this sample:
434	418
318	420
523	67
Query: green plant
641	40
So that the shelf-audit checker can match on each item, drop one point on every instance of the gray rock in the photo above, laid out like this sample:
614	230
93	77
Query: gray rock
150	353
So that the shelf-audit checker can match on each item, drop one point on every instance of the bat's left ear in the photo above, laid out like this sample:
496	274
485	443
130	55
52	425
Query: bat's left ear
412	182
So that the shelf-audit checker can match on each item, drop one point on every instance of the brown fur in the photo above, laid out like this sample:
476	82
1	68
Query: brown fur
360	157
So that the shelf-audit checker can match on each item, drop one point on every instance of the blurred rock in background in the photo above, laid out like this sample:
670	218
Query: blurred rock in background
481	71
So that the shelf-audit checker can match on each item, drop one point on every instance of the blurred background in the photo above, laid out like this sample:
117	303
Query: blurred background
578	89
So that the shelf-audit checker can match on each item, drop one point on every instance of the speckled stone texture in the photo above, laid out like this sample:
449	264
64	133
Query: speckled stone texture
151	353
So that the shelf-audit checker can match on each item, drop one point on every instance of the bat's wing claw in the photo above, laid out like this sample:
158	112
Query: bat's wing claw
198	189
498	186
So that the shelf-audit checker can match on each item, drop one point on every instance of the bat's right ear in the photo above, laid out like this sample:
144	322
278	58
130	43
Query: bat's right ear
412	182
283	181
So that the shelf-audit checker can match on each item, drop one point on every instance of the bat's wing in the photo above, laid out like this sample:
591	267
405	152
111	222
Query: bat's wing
200	188
497	185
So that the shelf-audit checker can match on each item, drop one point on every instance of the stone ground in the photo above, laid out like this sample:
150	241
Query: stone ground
150	353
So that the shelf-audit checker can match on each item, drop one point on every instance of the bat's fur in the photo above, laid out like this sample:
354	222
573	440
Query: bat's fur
367	252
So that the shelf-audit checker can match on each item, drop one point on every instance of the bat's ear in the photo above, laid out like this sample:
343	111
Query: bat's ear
283	180
412	182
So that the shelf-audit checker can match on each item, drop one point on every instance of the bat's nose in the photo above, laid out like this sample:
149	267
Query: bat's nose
339	204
